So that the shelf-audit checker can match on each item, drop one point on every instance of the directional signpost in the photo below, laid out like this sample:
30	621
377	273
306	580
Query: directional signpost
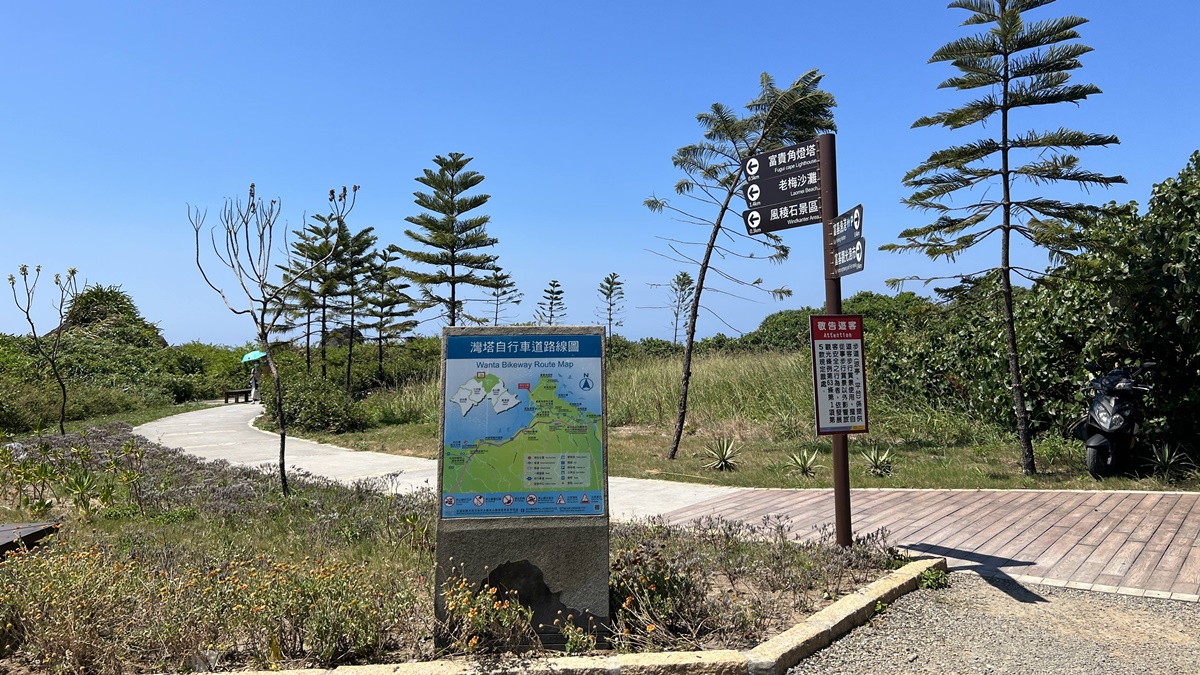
783	188
797	186
849	253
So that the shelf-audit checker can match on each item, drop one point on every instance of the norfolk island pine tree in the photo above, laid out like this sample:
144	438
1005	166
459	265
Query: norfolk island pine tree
713	176
450	240
1024	64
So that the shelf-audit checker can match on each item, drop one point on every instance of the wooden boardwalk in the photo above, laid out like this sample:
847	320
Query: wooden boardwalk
14	535
1136	543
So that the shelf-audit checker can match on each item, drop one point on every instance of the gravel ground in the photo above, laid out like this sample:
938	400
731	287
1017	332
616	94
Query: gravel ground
997	626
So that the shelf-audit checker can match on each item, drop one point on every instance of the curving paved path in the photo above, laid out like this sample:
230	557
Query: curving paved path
1135	543
225	432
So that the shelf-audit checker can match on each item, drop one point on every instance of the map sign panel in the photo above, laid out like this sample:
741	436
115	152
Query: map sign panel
839	374
523	426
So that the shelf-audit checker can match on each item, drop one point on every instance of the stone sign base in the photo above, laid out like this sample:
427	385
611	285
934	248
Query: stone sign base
553	563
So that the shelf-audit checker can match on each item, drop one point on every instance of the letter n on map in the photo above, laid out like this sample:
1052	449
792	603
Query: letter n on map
523	468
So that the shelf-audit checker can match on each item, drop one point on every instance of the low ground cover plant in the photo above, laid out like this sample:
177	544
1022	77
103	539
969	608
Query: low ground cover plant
168	563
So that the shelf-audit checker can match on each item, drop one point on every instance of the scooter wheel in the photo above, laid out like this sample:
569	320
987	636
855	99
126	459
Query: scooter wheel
1097	465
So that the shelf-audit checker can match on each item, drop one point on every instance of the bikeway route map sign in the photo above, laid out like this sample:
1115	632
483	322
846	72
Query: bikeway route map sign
523	426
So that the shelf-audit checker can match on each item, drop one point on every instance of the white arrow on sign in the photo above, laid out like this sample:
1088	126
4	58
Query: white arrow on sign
752	166
753	219
858	251
753	192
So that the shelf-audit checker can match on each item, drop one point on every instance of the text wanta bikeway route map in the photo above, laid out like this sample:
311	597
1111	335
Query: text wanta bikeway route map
523	426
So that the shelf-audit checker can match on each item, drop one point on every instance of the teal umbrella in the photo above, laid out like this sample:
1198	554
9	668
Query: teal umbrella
253	356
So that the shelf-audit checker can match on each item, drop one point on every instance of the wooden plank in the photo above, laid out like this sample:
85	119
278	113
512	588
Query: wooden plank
1153	519
1075	554
15	535
1125	504
940	530
1187	581
1165	573
1065	553
1013	541
1113	573
1144	565
911	516
1005	525
1113	503
1106	542
955	535
1068	550
765	502
1143	508
883	514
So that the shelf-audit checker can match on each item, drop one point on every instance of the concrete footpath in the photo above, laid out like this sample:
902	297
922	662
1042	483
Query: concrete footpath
225	432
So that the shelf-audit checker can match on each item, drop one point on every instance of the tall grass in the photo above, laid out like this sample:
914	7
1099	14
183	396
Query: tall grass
770	396
743	395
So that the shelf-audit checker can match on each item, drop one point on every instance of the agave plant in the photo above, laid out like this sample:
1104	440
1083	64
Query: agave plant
723	452
879	461
804	463
1169	463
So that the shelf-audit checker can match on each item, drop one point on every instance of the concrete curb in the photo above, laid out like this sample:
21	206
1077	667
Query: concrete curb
773	657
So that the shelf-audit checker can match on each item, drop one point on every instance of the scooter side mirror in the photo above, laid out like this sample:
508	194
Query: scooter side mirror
1148	365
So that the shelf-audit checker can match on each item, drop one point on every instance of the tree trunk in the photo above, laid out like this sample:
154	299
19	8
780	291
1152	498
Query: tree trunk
62	404
1028	467
350	348
690	343
324	327
279	420
380	375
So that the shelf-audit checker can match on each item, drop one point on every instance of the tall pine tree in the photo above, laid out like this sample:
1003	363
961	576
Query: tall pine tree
502	295
387	309
1019	64
353	264
612	294
451	238
551	310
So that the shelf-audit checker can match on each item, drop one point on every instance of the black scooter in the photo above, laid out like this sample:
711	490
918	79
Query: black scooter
1114	416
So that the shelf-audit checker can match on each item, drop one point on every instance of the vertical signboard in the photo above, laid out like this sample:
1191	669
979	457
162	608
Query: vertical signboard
523	426
522	472
839	377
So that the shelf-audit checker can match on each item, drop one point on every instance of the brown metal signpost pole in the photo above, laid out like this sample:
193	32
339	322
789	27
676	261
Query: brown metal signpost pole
826	150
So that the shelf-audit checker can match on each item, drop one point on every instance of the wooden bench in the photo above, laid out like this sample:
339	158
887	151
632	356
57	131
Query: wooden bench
235	393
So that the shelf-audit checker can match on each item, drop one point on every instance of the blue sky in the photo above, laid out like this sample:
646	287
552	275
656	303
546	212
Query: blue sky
118	115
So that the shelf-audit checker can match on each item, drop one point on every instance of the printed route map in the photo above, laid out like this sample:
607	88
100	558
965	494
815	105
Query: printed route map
523	426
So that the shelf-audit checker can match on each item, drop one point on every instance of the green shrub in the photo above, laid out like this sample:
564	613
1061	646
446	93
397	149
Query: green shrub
621	348
782	331
934	579
656	348
314	404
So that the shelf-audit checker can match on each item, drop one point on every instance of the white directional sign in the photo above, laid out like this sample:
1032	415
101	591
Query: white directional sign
781	163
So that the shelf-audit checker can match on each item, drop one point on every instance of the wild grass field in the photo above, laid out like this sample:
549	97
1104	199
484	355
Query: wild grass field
762	404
